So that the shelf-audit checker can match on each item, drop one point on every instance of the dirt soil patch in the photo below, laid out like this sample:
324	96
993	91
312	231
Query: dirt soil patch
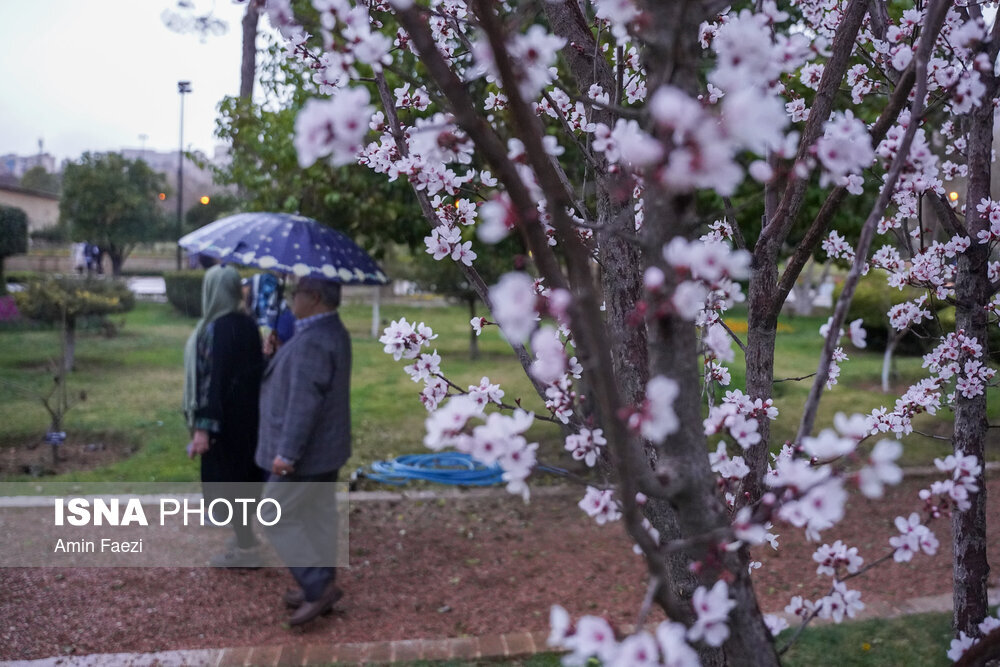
36	460
430	569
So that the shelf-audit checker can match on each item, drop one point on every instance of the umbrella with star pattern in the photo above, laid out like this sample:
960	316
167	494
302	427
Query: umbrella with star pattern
285	243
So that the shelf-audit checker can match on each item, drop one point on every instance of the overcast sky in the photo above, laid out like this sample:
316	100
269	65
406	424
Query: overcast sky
96	74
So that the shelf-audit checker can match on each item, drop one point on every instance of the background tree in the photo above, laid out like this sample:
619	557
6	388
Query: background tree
219	205
37	178
62	301
112	201
13	237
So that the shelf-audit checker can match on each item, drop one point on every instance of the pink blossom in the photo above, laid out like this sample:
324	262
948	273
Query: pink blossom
514	302
712	608
833	557
600	505
845	146
658	417
333	127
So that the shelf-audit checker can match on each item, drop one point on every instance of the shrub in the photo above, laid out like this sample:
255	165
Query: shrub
50	299
68	300
53	234
184	290
872	300
13	237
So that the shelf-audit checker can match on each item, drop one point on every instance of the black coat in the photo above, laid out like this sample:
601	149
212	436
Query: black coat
230	364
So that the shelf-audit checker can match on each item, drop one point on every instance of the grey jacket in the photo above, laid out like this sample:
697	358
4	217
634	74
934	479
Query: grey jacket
305	412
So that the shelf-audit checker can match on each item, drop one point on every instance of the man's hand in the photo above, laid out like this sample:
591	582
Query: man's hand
199	443
281	467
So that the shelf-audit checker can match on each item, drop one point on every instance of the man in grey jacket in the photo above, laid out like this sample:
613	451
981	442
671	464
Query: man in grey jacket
304	439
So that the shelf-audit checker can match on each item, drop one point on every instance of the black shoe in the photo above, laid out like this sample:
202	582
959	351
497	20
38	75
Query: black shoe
310	610
294	597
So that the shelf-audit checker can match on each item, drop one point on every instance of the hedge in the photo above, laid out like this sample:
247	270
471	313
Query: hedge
184	290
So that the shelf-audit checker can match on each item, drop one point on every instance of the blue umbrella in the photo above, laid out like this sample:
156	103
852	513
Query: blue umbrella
287	244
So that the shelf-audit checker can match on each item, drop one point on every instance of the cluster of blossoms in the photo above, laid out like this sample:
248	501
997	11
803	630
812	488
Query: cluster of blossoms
960	358
990	211
738	414
913	538
834	607
809	492
499	439
858	337
670	643
942	494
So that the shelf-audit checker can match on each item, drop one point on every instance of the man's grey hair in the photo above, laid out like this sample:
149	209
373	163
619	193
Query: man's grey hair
329	292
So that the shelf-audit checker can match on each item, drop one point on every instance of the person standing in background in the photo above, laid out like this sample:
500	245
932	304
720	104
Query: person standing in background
222	372
305	438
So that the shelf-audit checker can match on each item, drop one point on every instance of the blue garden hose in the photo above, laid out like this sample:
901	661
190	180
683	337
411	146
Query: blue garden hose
444	468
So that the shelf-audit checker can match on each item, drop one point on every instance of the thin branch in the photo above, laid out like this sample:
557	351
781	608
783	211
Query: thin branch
804	377
734	225
732	334
932	436
935	19
647	602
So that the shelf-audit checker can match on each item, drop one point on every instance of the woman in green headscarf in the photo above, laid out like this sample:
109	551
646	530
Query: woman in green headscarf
222	371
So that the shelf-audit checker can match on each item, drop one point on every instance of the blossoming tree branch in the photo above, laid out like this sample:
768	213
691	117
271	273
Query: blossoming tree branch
588	129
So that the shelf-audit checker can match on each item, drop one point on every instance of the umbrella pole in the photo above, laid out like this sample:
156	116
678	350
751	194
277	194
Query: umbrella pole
376	318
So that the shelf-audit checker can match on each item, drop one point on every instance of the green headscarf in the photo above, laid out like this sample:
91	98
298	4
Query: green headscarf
221	294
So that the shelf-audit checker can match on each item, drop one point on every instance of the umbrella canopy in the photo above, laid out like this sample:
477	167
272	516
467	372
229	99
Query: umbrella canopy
287	244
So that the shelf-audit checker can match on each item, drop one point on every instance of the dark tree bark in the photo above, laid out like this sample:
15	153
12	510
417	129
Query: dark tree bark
972	293
248	63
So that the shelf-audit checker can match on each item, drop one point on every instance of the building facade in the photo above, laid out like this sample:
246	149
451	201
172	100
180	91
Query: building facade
42	208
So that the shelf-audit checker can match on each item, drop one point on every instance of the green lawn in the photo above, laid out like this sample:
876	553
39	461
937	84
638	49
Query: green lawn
133	384
920	640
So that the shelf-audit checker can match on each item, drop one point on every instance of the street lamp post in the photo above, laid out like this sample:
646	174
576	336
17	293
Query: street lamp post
182	87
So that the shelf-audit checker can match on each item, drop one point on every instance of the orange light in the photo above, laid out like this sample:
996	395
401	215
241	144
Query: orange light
204	199
162	196
953	196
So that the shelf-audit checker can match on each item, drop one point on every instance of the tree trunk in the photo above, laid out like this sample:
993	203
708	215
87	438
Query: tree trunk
762	323
972	293
804	291
117	260
69	348
248	64
970	566
890	347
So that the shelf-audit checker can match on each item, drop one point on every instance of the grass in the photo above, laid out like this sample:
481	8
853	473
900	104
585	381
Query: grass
858	389
133	383
920	640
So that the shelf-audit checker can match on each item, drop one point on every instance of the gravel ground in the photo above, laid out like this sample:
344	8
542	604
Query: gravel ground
426	569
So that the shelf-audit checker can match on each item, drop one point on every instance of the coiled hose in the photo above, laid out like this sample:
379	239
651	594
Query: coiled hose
443	468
